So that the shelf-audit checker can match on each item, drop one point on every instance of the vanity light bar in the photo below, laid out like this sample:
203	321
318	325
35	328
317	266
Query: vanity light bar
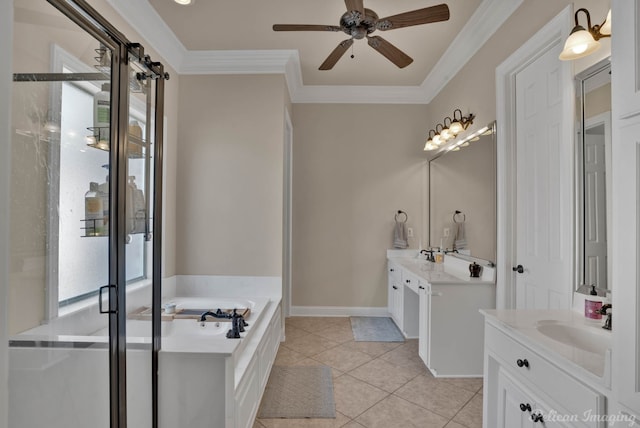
448	131
470	138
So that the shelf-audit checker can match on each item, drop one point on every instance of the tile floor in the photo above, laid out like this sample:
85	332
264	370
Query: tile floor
376	384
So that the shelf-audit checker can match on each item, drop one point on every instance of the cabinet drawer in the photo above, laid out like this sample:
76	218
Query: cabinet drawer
411	281
577	398
394	272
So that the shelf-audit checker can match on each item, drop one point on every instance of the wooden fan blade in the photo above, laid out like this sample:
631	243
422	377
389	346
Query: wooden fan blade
355	5
416	17
391	52
337	53
302	27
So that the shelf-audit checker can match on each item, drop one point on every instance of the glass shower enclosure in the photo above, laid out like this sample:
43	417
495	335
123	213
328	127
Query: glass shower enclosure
85	215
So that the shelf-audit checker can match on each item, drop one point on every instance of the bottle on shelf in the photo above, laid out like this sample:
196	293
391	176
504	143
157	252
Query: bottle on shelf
136	207
93	211
103	190
102	116
135	143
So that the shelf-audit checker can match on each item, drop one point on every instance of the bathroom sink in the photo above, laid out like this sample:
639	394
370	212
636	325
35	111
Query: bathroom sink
590	338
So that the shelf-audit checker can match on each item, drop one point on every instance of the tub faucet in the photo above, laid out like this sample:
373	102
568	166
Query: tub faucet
217	314
237	326
606	310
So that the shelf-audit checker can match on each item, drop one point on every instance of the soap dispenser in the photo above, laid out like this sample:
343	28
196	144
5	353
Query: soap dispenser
593	304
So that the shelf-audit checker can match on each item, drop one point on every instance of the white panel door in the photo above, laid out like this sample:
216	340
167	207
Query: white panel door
595	208
543	185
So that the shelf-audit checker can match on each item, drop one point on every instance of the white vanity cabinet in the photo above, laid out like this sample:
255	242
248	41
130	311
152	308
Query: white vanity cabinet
524	388
440	306
395	297
450	327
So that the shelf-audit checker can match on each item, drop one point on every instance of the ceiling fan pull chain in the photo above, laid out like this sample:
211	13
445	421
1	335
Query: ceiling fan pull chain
352	49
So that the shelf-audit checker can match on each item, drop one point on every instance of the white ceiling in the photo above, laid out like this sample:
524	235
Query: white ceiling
216	37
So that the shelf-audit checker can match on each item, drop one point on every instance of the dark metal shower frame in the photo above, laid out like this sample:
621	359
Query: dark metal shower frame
80	12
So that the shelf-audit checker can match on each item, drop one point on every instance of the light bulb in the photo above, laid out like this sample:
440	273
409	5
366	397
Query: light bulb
429	146
456	127
437	140
446	134
580	43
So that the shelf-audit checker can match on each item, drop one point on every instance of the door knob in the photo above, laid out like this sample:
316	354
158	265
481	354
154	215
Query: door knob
518	269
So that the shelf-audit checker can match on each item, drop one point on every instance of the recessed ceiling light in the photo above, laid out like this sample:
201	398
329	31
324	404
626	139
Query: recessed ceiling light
184	2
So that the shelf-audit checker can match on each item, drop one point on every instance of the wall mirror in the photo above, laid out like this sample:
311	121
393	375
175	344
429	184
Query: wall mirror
462	197
593	185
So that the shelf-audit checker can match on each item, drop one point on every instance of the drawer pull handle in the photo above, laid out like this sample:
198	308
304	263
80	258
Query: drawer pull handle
391	270
408	281
525	407
522	363
420	287
537	417
394	287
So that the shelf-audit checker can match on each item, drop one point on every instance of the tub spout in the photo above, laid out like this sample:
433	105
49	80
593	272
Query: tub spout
217	314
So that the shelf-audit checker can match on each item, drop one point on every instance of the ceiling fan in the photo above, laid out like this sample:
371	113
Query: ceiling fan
359	22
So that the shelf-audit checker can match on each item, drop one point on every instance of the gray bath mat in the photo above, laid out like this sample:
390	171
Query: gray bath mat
375	329
296	392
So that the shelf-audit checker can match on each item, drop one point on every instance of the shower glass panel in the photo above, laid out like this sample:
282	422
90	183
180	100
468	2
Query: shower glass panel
59	369
139	248
84	291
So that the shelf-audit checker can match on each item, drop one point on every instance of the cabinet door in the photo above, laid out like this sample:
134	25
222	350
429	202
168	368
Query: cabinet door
625	81
514	404
626	58
391	275
424	326
626	333
518	406
398	303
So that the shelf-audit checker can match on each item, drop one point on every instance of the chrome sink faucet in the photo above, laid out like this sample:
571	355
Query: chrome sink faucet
606	310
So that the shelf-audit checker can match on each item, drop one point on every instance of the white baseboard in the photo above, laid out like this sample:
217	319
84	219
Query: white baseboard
338	311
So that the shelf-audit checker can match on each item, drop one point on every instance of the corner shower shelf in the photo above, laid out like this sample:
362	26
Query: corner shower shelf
102	143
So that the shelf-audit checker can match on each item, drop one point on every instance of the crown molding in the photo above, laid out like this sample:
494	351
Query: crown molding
152	28
485	21
237	62
359	95
489	16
